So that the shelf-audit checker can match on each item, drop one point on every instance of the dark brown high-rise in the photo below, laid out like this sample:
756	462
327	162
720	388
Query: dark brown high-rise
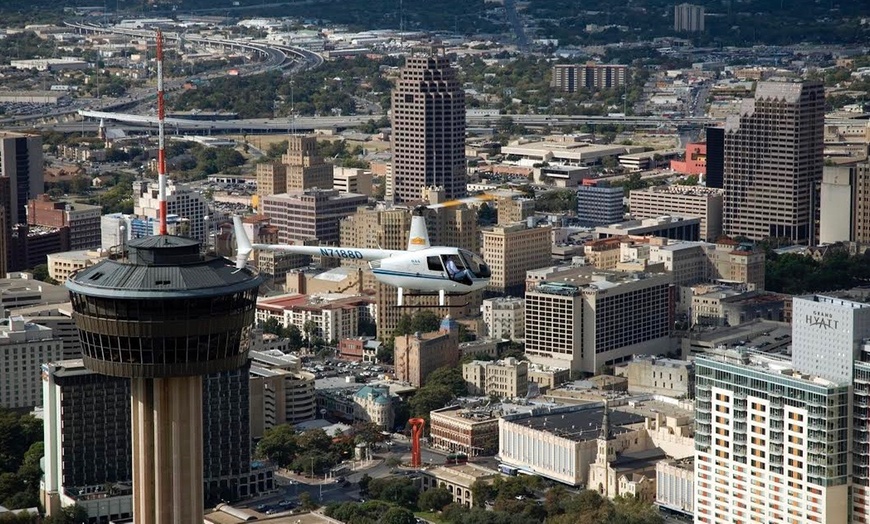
773	161
428	130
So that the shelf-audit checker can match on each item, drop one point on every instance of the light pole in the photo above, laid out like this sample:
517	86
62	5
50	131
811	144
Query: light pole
207	224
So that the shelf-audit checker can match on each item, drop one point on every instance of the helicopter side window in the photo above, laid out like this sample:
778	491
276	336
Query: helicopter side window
456	269
434	264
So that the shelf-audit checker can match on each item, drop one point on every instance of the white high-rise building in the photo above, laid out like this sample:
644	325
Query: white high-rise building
504	317
181	201
827	335
772	444
688	18
24	346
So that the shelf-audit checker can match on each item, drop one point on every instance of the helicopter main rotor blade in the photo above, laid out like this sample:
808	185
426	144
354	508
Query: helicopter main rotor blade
460	201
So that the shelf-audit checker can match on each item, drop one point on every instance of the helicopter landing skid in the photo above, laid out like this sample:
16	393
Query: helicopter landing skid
442	299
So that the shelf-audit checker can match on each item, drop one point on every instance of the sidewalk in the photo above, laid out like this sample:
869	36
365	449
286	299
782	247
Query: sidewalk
302	479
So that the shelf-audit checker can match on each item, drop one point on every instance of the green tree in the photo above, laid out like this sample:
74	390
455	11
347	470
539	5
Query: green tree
395	490
80	185
385	354
313	440
367	433
306	502
397	515
69	515
279	444
486	215
428	398
434	499
364	483
423	321
40	272
449	377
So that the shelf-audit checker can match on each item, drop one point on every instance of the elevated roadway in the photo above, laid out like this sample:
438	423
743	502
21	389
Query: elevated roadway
272	57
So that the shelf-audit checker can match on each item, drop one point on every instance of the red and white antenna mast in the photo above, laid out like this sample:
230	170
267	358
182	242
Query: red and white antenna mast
161	137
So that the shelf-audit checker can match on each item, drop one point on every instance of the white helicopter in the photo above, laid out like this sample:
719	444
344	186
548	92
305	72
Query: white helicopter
422	267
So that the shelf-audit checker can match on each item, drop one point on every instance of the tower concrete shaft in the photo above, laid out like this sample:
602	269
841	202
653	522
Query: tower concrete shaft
167	449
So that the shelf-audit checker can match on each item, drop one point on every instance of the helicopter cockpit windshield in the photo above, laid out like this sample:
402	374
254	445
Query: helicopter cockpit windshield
475	264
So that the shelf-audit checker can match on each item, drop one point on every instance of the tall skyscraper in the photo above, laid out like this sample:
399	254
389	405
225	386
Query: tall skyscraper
164	316
773	161
428	138
21	163
688	18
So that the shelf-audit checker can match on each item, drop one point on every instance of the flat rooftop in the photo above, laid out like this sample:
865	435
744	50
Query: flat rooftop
766	335
579	424
464	474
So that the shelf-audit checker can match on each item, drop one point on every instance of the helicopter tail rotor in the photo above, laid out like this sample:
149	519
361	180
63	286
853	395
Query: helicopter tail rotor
243	243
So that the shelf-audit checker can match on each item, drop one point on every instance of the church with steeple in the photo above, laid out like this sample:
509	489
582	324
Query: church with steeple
622	471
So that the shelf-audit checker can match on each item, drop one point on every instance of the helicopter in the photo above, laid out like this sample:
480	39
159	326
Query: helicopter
421	267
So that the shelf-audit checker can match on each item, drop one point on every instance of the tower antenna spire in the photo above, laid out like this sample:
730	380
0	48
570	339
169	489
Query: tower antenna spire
161	137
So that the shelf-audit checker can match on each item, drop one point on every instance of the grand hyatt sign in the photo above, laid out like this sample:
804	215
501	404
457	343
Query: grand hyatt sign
822	320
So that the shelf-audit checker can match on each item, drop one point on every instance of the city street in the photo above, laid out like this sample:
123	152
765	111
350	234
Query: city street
328	492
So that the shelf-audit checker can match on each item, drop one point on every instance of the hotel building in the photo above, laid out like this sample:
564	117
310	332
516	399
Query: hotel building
771	443
589	319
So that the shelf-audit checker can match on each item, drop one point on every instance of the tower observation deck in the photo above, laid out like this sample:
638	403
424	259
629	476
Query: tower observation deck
164	315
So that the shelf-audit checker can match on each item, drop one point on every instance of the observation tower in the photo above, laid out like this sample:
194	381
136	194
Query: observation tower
163	314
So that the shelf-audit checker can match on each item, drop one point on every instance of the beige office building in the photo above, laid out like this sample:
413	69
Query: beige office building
280	392
352	180
512	250
773	161
271	179
508	378
504	317
305	168
428	140
511	210
689	201
845	204
24	347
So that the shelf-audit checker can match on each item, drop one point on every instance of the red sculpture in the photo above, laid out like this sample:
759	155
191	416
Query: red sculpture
417	425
